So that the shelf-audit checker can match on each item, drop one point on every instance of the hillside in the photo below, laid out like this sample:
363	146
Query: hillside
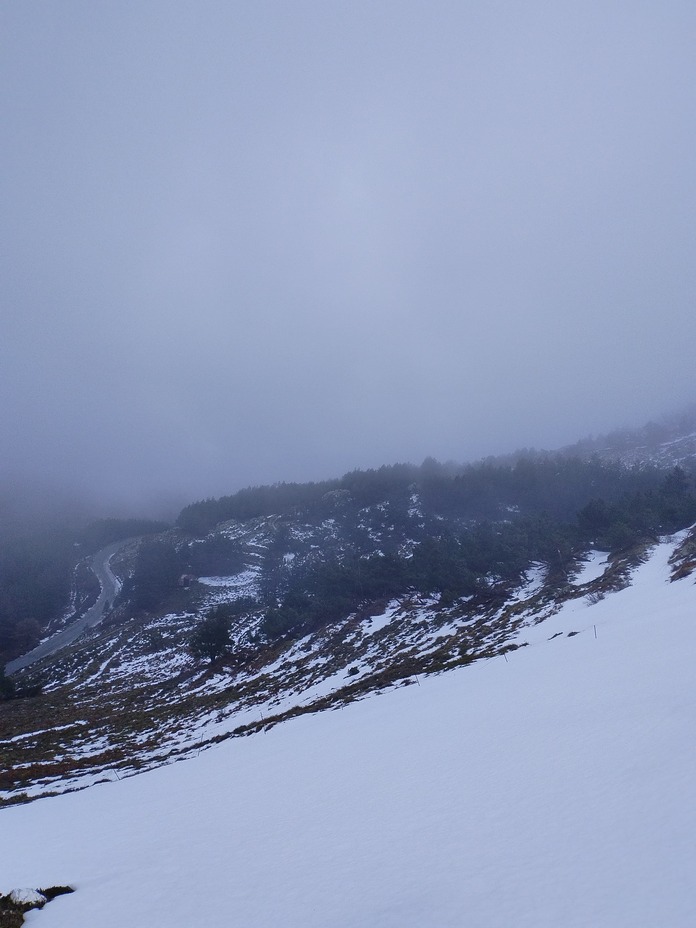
549	786
435	695
46	582
287	600
668	442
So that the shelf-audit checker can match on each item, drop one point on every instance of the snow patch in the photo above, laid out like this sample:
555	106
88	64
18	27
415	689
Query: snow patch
592	568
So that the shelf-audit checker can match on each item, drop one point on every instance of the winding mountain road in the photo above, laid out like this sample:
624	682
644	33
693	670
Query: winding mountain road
110	586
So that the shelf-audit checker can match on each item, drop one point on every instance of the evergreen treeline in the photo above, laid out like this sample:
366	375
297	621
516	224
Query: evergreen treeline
217	556
159	566
435	529
251	503
461	563
155	577
35	577
451	566
36	567
556	484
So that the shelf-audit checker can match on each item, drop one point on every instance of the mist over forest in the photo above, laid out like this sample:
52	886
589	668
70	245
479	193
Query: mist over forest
245	246
441	526
29	507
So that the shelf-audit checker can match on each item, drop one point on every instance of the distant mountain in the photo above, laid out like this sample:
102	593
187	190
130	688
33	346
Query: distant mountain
666	443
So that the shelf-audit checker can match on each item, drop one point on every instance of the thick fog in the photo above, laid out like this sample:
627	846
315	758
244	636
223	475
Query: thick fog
246	242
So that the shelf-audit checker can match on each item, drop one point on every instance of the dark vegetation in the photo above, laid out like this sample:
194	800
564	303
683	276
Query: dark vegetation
471	561
451	532
215	557
210	639
160	566
12	913
554	484
7	687
36	569
156	575
35	577
10	690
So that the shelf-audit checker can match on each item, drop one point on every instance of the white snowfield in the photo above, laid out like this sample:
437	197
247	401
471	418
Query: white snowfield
554	790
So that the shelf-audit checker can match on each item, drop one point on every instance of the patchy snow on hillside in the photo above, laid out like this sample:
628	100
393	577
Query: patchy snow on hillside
377	622
592	568
551	789
226	589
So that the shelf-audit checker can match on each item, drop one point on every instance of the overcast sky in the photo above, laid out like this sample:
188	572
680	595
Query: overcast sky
245	242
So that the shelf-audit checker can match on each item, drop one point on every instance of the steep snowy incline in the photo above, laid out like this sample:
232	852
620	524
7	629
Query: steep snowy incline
555	788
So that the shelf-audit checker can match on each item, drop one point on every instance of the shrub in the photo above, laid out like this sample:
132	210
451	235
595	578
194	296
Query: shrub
211	637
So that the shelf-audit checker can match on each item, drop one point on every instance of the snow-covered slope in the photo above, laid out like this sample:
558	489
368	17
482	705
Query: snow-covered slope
549	786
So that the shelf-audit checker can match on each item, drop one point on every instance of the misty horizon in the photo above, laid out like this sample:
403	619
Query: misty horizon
21	499
246	245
